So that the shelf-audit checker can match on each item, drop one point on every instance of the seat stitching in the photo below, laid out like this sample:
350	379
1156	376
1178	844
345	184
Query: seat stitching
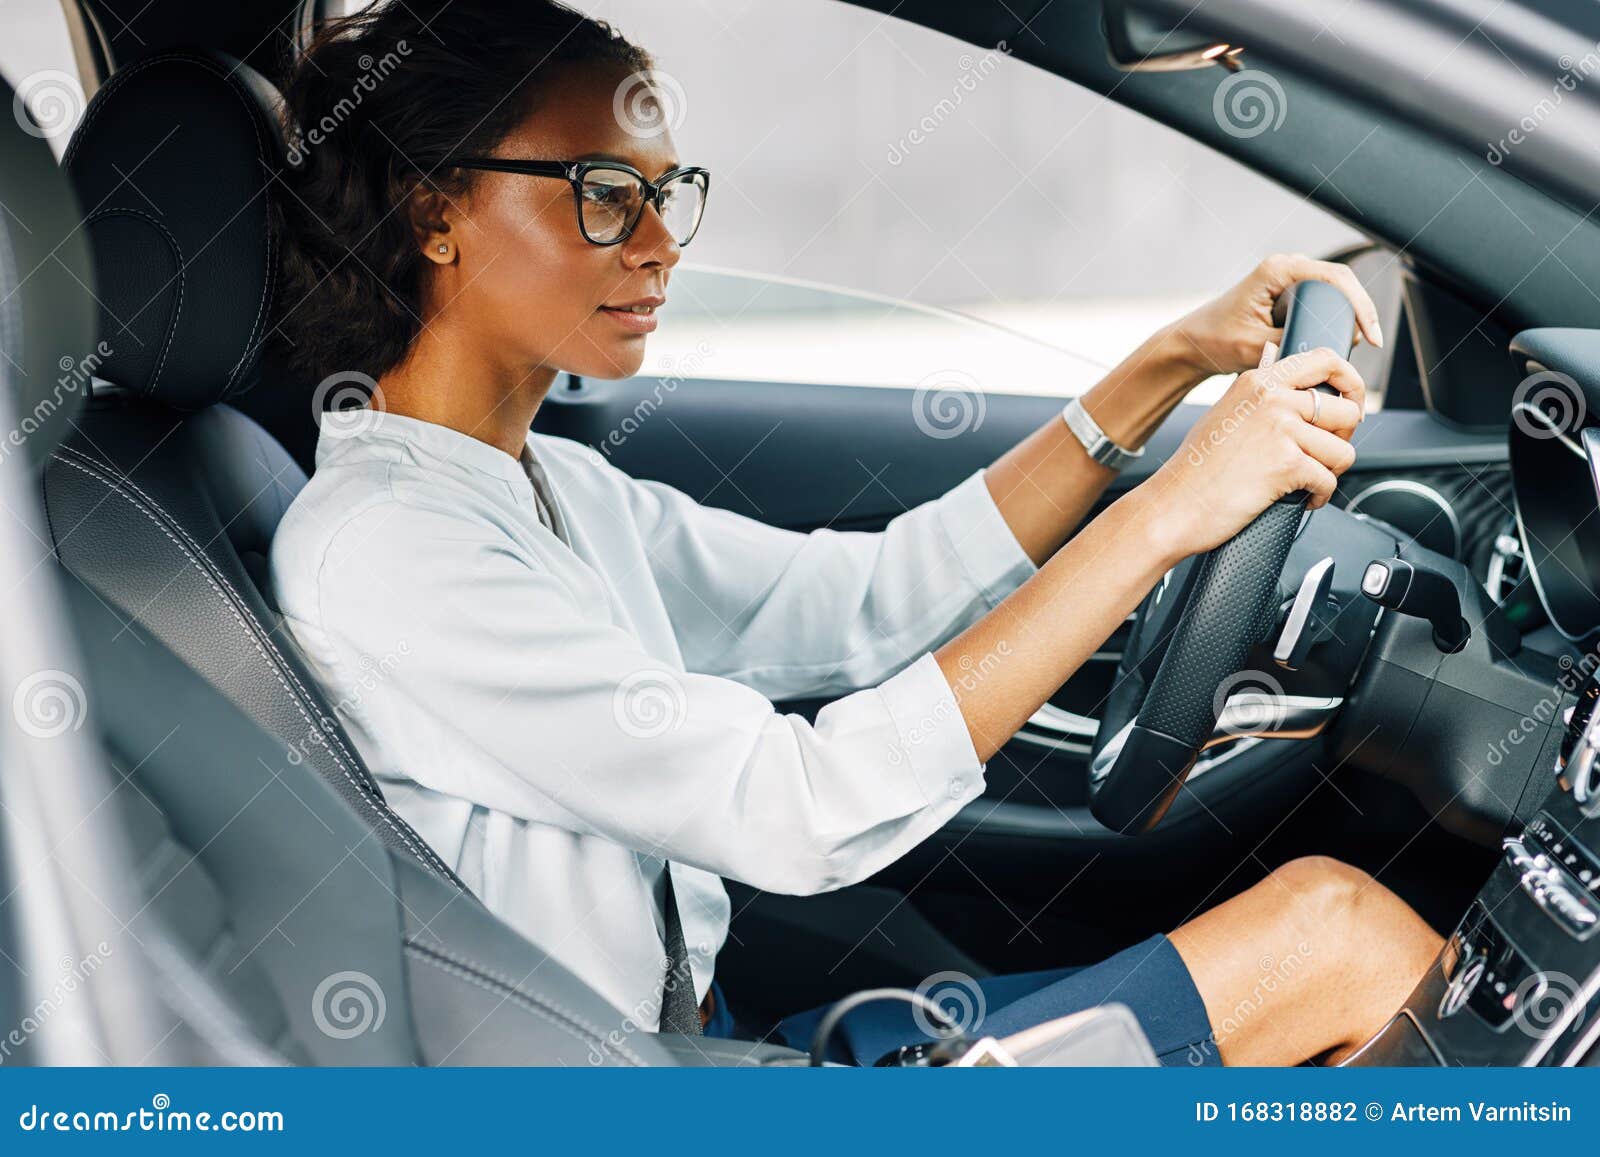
200	550
177	310
211	581
252	114
492	984
272	659
438	949
380	808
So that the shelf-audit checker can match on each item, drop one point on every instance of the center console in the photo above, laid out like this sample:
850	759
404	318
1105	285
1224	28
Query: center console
1518	982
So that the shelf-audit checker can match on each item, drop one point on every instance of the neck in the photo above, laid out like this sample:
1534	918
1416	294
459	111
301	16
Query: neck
449	382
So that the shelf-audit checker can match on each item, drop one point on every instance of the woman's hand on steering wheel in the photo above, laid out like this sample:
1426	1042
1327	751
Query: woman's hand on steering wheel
1225	335
1272	434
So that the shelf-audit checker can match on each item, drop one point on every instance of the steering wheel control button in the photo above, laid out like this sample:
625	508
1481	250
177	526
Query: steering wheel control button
1375	581
1300	629
1418	592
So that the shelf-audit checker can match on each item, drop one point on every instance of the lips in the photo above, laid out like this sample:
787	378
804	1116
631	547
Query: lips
637	316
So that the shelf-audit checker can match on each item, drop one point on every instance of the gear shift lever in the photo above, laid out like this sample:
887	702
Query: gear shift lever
1421	593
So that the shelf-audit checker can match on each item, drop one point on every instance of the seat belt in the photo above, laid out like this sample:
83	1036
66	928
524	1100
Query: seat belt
680	1012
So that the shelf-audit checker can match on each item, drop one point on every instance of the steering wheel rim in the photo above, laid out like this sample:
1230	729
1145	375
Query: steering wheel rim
1139	766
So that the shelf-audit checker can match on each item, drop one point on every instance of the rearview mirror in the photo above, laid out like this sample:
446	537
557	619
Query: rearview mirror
1140	42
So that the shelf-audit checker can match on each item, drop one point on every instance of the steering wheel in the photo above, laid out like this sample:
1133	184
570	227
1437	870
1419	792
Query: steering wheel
1195	631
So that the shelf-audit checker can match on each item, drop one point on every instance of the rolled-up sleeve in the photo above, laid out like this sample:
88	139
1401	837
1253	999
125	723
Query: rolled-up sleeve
551	713
800	615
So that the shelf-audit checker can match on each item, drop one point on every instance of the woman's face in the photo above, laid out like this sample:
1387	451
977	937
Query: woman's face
521	277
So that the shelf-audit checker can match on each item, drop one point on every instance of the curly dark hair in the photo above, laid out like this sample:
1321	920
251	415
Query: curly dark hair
374	103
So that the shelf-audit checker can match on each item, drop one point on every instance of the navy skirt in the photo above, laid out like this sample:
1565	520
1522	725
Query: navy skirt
1149	977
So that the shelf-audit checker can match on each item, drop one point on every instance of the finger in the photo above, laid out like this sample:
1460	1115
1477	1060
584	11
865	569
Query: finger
1319	481
1314	368
1343	278
1336	414
1329	450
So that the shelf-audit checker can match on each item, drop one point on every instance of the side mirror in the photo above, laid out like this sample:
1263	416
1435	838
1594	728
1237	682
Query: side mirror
1140	42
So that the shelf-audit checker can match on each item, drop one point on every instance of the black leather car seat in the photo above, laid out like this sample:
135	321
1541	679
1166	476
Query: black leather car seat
304	938
164	499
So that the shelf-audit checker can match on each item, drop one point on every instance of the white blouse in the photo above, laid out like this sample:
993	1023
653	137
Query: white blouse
557	720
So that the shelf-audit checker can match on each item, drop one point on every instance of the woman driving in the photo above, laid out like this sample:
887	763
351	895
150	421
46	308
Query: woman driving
564	677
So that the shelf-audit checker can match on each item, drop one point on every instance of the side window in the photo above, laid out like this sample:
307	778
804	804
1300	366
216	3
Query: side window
37	60
889	204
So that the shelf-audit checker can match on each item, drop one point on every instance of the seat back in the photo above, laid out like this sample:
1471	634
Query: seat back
221	901
329	947
164	499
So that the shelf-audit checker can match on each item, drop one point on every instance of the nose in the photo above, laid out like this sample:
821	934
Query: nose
651	242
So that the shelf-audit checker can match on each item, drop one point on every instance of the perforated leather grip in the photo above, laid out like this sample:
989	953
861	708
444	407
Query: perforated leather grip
1232	607
1211	644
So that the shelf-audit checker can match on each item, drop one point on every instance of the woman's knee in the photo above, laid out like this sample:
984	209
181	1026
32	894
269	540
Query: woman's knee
1323	888
1345	910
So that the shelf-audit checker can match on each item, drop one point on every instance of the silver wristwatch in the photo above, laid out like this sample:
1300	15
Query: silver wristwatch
1095	443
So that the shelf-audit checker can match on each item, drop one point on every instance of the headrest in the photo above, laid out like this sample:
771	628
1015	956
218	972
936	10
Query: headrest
47	310
174	163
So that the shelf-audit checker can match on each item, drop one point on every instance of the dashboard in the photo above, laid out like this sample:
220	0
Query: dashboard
1518	982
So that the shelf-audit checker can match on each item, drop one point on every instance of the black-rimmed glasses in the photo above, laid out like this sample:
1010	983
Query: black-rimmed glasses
611	196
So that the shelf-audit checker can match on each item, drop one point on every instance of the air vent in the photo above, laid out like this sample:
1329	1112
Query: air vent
1414	508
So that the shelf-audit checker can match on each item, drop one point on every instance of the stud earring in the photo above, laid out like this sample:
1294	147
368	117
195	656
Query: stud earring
444	249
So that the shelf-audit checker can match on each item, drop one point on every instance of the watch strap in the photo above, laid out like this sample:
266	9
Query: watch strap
1095	442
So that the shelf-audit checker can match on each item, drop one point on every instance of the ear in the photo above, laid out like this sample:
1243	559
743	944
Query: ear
430	211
